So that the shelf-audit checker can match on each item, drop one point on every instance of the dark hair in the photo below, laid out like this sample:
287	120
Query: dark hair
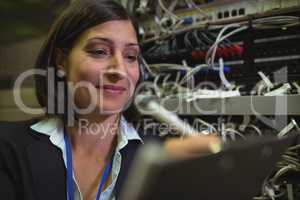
74	20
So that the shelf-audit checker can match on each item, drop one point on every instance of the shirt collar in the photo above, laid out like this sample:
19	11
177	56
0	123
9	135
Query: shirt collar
54	128
128	132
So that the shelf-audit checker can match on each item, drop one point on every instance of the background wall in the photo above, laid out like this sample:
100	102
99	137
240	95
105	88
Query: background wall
24	24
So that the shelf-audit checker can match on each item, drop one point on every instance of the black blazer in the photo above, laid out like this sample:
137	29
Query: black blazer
32	168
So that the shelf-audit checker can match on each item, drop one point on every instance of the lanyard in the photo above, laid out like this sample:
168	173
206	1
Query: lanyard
70	184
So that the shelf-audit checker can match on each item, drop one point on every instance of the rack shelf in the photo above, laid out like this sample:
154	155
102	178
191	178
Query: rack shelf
243	105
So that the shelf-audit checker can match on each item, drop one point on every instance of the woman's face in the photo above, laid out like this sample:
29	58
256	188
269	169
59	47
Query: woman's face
105	57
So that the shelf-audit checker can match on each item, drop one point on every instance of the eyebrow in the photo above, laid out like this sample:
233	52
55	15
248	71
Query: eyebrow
111	42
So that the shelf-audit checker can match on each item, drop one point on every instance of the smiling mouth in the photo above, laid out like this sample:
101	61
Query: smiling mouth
112	89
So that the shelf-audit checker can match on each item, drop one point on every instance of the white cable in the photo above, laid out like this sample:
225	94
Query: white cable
147	67
273	22
288	128
242	127
256	129
191	2
156	87
175	67
235	132
192	72
259	86
176	21
223	38
151	107
213	49
297	87
260	89
164	83
207	125
265	83
187	42
169	66
279	91
184	63
160	91
244	124
266	80
283	171
167	10
177	79
222	75
209	94
163	20
256	24
218	37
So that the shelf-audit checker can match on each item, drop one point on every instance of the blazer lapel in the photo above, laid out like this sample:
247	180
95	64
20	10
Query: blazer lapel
48	170
128	153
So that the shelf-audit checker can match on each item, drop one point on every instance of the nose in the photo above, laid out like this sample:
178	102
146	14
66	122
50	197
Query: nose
117	68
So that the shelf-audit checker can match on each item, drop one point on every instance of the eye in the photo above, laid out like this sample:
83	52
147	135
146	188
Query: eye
99	52
131	55
131	58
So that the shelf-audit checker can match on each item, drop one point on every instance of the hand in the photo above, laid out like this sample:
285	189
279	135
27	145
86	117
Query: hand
192	146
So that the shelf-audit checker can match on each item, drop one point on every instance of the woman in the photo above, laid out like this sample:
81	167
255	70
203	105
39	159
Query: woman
84	146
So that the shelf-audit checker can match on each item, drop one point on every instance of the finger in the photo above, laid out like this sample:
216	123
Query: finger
191	146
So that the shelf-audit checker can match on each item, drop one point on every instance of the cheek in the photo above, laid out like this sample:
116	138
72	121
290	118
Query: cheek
80	67
83	76
86	72
90	75
134	75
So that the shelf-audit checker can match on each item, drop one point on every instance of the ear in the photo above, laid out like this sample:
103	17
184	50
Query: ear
60	59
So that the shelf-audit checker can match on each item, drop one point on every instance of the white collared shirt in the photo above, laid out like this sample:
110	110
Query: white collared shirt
54	128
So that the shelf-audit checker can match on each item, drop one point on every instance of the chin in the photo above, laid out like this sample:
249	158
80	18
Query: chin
111	109
113	105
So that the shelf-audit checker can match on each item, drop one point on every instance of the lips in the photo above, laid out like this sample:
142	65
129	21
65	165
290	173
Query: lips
112	89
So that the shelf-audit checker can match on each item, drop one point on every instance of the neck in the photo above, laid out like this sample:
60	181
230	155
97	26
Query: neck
93	136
